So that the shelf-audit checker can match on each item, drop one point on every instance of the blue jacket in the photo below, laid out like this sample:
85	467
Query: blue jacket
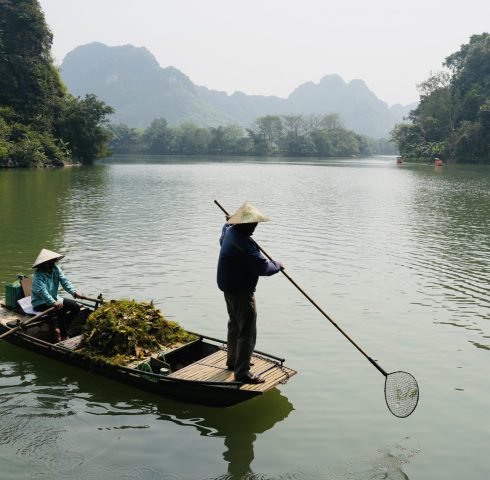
45	286
240	262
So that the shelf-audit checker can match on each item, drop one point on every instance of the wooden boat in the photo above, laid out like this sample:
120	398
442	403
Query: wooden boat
196	370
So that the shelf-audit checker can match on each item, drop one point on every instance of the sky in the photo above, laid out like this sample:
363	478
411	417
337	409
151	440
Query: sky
270	47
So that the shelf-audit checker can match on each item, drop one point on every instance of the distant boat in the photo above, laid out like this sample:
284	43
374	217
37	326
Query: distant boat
438	162
399	160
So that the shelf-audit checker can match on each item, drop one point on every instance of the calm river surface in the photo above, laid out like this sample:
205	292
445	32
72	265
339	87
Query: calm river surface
399	256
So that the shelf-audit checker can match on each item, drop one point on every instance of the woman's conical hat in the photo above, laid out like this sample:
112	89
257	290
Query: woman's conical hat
46	256
247	213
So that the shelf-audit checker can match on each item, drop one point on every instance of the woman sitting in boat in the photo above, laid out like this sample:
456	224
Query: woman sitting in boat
45	284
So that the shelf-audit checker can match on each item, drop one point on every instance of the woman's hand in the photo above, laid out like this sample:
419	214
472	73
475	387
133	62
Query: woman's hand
58	305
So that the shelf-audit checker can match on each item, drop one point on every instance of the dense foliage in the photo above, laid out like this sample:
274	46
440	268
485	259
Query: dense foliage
452	120
293	135
122	330
40	123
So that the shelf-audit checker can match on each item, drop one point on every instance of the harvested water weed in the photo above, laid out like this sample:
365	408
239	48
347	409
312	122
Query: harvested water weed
124	330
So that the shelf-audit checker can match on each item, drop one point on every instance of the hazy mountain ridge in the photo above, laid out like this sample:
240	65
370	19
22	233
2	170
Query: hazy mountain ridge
131	80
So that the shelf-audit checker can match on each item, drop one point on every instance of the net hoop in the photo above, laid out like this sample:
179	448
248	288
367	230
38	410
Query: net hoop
401	393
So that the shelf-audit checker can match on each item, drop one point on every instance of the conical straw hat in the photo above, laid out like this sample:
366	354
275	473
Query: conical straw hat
247	213
46	256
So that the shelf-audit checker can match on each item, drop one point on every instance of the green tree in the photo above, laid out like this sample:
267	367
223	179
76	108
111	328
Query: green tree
228	139
367	146
29	81
452	119
331	122
157	138
191	139
471	89
332	139
295	136
125	139
22	145
266	134
83	127
41	124
217	144
434	115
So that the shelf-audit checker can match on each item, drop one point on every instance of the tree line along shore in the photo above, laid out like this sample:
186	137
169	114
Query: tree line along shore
290	135
42	124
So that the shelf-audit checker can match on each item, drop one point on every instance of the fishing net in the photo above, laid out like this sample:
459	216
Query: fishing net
401	393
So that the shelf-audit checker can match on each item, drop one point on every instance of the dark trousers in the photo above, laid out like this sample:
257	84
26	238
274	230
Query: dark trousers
62	317
242	331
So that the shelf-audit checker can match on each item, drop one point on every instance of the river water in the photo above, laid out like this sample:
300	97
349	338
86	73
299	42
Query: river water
399	257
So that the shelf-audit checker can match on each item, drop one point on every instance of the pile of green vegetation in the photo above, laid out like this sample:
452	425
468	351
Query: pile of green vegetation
125	330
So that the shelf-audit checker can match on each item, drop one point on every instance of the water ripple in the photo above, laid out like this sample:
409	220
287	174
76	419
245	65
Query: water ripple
399	257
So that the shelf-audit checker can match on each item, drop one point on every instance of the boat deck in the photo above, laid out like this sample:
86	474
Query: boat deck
71	343
213	369
7	316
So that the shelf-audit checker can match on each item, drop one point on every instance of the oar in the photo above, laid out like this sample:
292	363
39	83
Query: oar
99	299
30	320
401	388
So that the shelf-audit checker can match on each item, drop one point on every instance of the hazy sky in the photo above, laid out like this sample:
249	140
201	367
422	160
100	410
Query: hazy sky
269	47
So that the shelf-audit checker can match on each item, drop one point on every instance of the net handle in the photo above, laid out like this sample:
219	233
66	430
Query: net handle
372	361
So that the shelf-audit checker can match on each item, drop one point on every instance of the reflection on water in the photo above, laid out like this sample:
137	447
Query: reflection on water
238	426
31	203
29	413
399	257
386	464
34	208
450	225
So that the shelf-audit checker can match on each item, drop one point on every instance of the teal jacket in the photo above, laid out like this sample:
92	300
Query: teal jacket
45	286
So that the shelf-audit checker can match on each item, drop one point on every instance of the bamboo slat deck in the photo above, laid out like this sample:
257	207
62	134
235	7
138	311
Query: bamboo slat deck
9	316
71	343
213	369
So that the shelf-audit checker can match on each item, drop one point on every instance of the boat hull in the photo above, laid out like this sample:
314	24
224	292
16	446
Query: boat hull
217	388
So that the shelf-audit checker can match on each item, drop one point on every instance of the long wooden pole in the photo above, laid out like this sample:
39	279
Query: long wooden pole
30	320
314	303
95	300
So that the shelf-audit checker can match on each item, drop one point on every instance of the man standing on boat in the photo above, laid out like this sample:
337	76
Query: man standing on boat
239	266
45	284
